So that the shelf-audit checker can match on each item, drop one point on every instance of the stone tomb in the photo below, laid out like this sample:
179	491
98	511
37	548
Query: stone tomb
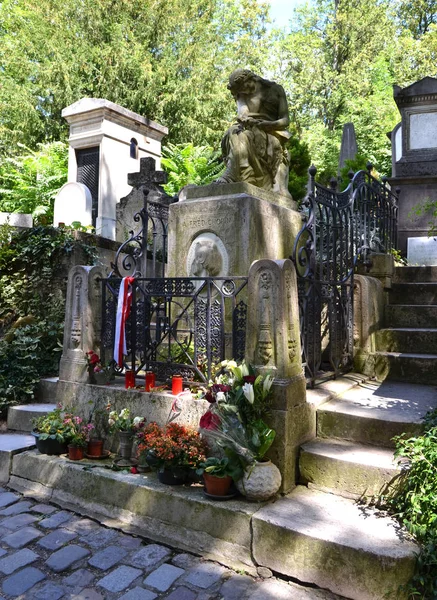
220	229
73	203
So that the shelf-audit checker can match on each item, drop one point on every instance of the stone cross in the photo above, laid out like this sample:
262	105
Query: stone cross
147	176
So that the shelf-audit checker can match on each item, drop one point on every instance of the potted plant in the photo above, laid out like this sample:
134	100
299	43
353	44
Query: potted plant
80	434
218	474
52	431
96	441
126	426
239	402
174	451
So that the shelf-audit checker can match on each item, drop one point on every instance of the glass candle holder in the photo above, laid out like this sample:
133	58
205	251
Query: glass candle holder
129	379
176	384
150	380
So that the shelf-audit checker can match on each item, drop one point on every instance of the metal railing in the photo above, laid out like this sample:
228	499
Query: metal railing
178	325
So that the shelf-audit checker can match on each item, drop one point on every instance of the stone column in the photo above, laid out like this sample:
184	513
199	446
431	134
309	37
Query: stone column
273	346
82	321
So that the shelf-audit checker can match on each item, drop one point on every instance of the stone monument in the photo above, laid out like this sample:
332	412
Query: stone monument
73	203
107	141
248	213
414	152
348	148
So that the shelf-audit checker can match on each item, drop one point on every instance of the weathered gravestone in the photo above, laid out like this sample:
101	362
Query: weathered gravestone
73	204
422	251
348	148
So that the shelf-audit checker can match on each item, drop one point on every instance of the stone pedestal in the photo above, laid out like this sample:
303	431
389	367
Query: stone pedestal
82	321
273	346
382	266
221	229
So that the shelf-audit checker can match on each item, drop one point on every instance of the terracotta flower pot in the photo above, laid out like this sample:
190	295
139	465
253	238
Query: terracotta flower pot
95	448
217	486
75	453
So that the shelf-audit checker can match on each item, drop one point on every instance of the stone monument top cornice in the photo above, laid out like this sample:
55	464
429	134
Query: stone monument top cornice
423	91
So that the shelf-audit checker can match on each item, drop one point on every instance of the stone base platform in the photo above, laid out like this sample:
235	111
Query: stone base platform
314	537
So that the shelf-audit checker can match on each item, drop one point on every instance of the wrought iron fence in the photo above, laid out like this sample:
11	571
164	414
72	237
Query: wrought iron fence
339	229
178	325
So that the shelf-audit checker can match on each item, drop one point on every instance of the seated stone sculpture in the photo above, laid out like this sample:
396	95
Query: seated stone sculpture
254	147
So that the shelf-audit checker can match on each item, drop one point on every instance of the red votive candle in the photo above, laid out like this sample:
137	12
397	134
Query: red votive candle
176	384
150	380
129	379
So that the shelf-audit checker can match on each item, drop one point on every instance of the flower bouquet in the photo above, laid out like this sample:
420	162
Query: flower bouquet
239	402
174	451
53	431
126	426
98	373
79	436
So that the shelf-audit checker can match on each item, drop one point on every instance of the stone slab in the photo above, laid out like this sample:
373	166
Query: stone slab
22	581
23	536
422	251
180	518
119	579
346	468
20	418
56	539
17	560
65	557
163	577
364	556
107	558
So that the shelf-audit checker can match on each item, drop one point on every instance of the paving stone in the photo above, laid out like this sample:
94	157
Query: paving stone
16	509
65	557
128	541
119	579
43	509
87	594
19	521
149	556
138	593
55	520
23	536
99	538
7	498
205	574
163	577
107	558
15	561
22	581
56	539
182	593
236	587
49	591
82	526
2	552
184	561
79	578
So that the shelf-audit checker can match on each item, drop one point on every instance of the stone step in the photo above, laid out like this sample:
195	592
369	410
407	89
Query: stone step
346	468
20	418
46	390
373	413
11	444
407	339
413	293
334	543
409	367
317	538
410	315
415	274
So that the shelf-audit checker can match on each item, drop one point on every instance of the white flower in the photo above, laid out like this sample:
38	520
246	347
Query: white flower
113	415
267	384
244	370
138	420
111	422
248	392
224	363
125	413
220	397
232	364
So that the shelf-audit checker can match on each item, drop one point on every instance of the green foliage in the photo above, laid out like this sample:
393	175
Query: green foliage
357	164
30	180
299	164
186	163
412	499
221	467
32	305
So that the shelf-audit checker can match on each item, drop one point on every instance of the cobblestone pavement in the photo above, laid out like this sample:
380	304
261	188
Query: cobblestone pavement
47	553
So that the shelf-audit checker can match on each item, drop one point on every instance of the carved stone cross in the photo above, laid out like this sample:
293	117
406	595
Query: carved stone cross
147	175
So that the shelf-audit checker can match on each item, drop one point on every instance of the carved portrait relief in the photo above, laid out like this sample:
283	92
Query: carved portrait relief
207	257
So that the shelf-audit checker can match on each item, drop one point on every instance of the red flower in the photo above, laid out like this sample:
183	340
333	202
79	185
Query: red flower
134	471
249	379
209	421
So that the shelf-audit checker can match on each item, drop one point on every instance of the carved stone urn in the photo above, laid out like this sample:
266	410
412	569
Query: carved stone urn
260	481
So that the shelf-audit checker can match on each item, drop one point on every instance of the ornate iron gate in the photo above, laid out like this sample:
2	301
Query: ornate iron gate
339	229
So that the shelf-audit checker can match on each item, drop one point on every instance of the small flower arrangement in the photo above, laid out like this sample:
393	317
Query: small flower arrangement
170	447
55	425
95	366
239	401
123	421
79	430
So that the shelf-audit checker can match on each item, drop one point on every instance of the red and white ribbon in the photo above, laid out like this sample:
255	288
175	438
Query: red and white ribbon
123	310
